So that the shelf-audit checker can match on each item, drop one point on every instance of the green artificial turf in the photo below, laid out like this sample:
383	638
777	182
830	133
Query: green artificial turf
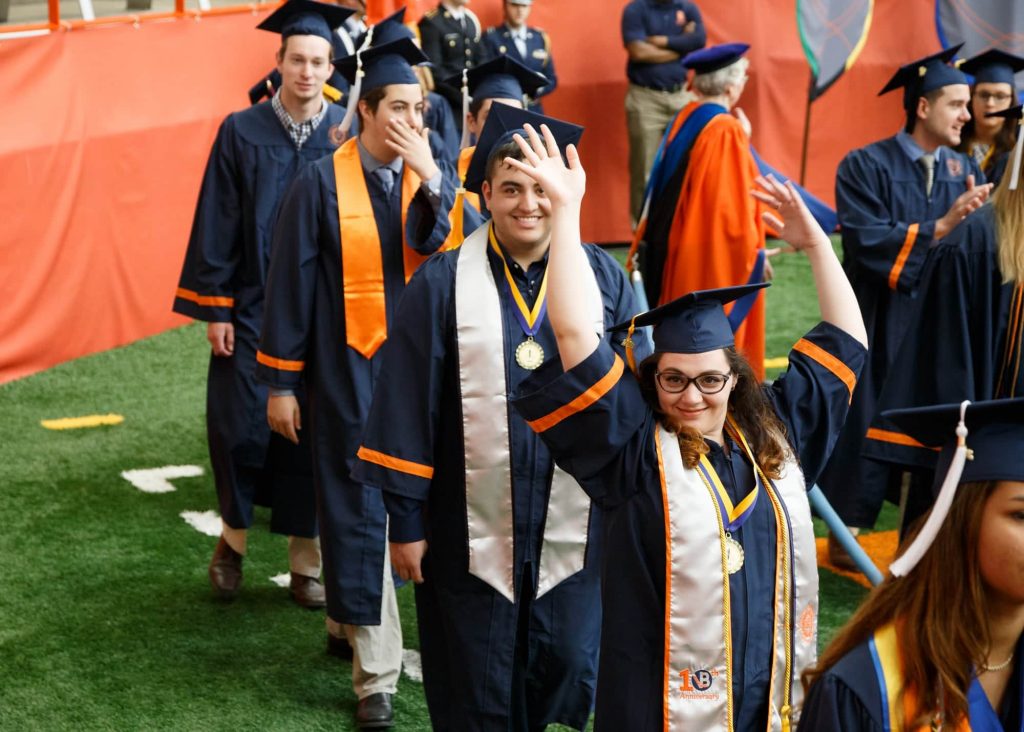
106	617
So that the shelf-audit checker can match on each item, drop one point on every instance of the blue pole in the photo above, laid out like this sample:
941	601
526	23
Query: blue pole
843	535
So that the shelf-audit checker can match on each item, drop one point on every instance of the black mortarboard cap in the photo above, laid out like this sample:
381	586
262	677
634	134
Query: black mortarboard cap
693	323
502	123
500	78
390	63
995	436
993	67
924	75
306	18
391	29
713	58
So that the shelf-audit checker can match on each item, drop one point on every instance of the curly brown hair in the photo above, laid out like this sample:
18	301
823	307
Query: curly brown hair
748	405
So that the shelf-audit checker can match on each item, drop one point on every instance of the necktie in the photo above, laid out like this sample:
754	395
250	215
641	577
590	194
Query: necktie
928	163
387	178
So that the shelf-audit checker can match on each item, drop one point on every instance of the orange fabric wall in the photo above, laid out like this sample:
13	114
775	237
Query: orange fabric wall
105	133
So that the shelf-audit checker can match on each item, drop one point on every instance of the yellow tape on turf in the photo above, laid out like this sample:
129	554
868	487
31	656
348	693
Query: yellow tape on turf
779	362
77	423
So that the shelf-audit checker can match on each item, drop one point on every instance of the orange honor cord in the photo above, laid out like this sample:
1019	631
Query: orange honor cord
362	265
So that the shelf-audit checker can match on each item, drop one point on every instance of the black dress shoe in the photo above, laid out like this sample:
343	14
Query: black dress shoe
307	591
374	712
225	571
339	647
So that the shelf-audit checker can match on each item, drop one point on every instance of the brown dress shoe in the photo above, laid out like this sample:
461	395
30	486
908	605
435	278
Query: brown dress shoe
225	571
307	591
339	648
375	712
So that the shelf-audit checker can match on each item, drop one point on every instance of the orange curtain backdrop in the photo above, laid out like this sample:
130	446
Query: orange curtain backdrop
106	131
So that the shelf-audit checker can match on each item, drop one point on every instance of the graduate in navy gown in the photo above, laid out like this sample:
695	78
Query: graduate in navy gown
896	199
503	546
353	228
257	154
940	643
988	137
967	323
709	579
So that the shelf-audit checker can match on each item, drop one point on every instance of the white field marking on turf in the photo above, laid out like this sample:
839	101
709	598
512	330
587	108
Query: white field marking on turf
205	522
282	580
158	480
411	664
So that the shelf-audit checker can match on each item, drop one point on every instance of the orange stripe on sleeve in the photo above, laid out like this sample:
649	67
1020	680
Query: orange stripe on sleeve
279	363
896	438
584	400
393	463
842	372
205	300
901	258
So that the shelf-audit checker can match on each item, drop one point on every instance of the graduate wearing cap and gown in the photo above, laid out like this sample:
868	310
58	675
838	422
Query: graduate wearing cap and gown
256	155
891	218
353	228
977	311
342	41
703	212
501	80
709	580
508	593
954	599
985	137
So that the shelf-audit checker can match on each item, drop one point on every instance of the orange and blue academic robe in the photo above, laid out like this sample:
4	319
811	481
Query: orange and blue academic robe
251	165
599	428
322	332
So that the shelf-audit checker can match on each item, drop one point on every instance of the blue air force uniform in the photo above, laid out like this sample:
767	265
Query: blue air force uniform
609	446
485	659
501	41
251	165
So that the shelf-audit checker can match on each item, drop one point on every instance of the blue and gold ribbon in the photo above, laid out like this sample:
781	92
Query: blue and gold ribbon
733	517
530	319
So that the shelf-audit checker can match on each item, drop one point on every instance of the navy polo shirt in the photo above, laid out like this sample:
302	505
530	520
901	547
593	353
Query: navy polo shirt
643	18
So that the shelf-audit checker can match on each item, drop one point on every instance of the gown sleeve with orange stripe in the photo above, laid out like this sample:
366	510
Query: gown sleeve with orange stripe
597	425
964	340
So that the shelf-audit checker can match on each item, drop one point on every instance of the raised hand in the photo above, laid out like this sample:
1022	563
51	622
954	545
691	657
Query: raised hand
794	222
966	203
564	185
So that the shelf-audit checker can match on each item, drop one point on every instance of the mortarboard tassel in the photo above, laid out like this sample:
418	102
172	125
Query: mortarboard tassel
357	86
909	559
464	142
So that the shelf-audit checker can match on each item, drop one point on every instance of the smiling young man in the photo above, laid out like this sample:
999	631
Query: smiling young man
256	155
501	543
896	199
353	228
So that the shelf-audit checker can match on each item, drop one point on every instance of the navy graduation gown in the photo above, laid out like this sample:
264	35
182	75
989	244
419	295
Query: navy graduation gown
439	119
888	226
609	447
497	41
963	327
304	330
252	162
847	698
479	669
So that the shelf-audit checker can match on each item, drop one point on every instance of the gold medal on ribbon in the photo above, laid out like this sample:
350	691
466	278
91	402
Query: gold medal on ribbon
733	555
529	354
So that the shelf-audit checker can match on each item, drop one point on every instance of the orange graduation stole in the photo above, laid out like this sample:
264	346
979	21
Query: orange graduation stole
456	236
362	266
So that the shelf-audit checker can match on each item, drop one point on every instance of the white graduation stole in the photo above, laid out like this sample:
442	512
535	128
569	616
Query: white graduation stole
698	634
485	420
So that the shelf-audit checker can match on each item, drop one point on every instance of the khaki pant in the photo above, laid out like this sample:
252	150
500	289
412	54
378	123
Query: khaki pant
377	649
303	553
648	113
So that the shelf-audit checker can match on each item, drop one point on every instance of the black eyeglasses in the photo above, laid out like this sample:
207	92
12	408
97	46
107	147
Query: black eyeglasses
674	382
998	97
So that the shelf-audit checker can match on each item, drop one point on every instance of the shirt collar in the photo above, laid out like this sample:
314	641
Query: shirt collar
288	121
519	33
456	13
371	164
911	149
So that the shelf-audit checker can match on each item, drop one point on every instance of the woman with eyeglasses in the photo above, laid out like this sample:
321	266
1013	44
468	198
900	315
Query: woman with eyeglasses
709	578
989	139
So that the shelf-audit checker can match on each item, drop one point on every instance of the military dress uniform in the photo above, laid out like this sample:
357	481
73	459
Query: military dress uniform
501	41
451	45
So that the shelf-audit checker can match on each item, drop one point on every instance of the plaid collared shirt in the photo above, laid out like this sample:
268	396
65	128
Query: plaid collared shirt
298	131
